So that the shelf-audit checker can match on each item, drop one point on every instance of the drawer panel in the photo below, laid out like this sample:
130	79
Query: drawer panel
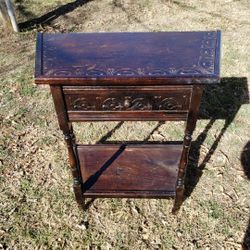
133	103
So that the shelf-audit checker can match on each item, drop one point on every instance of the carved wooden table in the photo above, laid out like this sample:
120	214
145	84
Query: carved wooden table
128	77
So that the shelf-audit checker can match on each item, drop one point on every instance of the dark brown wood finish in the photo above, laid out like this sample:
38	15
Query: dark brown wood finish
69	137
127	103
190	126
128	58
128	76
133	170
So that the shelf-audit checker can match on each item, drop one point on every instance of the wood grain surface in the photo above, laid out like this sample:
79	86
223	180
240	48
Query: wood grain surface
134	170
136	58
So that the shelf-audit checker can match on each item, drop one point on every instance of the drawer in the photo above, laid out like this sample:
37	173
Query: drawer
127	103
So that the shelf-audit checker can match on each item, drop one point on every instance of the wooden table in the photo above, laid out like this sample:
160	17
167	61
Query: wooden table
128	77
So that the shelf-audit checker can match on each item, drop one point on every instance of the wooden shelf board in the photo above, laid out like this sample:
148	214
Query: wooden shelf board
129	170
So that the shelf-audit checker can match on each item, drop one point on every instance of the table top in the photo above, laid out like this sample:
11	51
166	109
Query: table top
128	58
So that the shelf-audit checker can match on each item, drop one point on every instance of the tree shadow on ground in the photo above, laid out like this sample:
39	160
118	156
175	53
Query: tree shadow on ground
245	161
47	18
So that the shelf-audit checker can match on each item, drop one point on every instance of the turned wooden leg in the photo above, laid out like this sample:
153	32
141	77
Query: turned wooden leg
181	174
77	185
190	126
69	137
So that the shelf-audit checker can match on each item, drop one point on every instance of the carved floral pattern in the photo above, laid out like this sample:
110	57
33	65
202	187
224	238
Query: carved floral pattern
169	103
82	104
129	103
112	104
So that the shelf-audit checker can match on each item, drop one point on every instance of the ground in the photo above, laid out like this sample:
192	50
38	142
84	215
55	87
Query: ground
38	210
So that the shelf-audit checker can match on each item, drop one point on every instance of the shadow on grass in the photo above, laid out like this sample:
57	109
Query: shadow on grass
47	18
246	240
220	101
245	161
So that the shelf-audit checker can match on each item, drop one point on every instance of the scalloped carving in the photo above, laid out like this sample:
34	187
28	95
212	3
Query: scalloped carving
82	104
129	103
169	103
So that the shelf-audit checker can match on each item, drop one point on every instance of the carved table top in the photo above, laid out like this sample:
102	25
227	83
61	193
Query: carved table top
136	58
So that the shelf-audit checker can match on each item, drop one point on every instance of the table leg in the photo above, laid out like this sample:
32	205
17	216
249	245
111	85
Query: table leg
190	126
69	137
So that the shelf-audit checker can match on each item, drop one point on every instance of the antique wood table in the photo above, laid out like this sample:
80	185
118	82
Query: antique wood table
128	77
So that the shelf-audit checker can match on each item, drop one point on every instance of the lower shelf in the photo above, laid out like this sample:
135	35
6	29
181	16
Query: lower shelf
129	170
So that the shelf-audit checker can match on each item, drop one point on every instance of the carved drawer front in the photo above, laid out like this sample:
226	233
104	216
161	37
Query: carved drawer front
128	103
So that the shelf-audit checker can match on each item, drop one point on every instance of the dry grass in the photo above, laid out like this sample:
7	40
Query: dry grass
38	210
